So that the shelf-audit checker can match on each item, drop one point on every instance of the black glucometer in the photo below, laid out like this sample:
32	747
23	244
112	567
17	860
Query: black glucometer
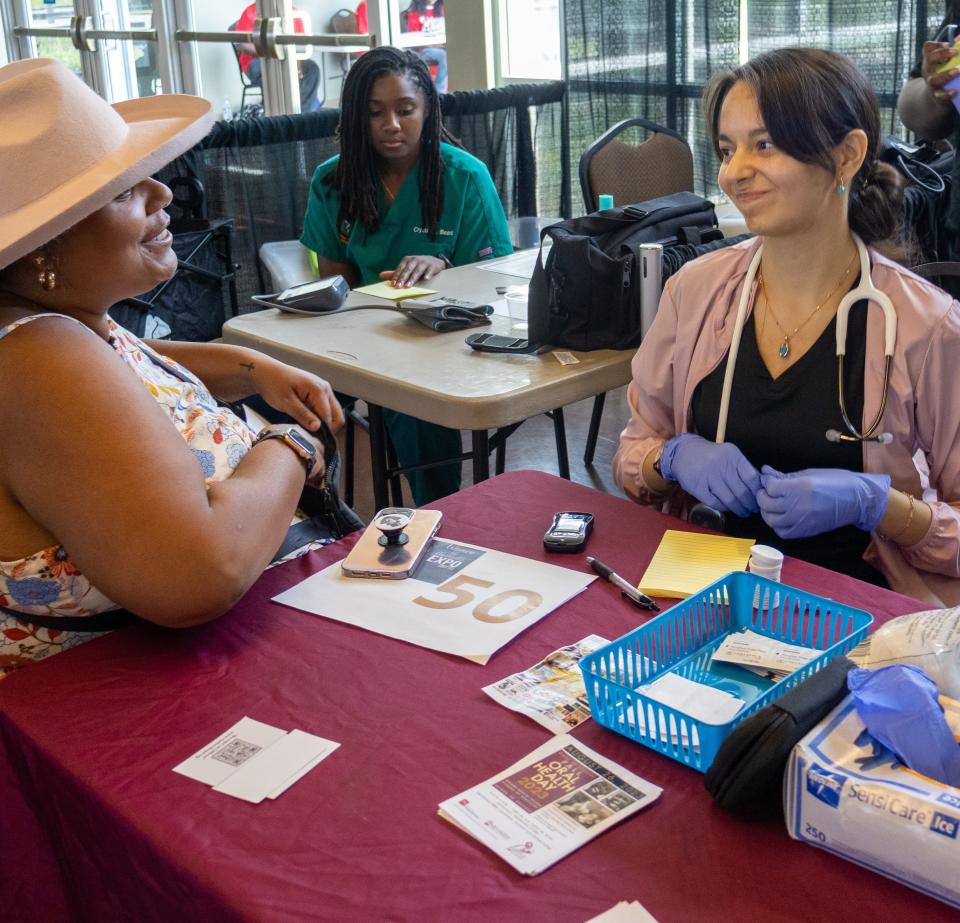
494	343
568	532
319	297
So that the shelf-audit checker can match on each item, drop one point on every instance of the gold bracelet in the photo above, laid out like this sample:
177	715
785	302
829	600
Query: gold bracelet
907	524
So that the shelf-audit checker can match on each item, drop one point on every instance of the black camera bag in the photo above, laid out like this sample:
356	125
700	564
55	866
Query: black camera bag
587	296
746	777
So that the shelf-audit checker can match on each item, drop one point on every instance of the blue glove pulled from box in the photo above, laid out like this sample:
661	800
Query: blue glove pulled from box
898	704
818	500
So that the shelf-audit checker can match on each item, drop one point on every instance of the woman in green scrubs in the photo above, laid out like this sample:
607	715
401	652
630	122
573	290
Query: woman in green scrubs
402	202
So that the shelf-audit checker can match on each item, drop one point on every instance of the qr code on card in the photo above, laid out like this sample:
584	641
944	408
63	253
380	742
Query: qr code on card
236	752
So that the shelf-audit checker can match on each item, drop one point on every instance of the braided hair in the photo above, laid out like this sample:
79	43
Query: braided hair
357	177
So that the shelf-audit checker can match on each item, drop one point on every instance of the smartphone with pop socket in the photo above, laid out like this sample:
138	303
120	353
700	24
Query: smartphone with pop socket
393	544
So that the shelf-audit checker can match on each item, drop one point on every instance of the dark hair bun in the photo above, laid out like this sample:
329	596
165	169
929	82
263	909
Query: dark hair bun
876	199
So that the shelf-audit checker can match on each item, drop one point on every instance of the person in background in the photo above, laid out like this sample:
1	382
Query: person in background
307	71
426	16
401	202
421	15
927	108
797	132
125	488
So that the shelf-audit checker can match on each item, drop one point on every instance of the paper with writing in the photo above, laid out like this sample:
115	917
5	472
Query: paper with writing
548	804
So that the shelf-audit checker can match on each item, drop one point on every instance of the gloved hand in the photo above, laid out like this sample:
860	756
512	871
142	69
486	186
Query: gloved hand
818	500
718	475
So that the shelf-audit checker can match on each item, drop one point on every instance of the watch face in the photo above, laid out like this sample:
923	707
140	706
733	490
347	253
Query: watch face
296	436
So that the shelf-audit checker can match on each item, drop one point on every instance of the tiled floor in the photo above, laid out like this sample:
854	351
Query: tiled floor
533	446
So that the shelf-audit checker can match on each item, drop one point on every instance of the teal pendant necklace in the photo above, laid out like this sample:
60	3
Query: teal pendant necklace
784	350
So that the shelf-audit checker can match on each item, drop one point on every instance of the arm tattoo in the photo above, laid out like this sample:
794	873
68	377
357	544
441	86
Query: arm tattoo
249	366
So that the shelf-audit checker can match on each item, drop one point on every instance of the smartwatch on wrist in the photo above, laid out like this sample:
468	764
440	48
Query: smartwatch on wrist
294	437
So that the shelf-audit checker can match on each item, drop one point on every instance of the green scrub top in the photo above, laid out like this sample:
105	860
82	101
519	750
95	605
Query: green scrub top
472	226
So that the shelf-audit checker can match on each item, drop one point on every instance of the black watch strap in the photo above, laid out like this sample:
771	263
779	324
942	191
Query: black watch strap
293	437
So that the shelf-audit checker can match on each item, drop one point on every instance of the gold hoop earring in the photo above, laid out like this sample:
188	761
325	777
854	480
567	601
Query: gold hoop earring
46	277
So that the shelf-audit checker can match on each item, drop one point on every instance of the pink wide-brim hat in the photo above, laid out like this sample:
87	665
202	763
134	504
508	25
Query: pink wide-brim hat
65	152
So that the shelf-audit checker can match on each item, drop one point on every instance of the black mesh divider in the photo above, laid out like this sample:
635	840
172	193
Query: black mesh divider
651	58
500	126
258	170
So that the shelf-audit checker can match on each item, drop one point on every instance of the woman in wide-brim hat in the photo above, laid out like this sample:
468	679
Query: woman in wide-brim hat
124	487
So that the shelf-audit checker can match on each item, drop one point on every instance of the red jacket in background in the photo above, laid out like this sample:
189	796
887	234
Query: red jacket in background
245	24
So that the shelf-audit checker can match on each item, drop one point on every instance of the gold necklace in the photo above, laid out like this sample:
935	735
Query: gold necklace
784	349
391	195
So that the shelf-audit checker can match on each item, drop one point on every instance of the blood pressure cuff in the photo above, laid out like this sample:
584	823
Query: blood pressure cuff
747	775
447	317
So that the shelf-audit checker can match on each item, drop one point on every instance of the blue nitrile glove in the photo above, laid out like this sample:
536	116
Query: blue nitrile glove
718	475
898	704
818	500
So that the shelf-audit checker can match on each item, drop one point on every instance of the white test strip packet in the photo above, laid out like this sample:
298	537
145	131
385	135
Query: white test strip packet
253	760
700	702
218	760
276	768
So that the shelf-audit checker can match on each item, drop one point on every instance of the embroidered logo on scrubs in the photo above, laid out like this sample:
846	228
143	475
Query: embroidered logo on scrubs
344	232
441	232
486	251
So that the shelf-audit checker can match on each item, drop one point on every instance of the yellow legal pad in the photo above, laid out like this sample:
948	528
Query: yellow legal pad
386	290
686	562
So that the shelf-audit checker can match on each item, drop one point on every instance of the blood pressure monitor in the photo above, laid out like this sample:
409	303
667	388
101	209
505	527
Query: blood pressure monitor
320	297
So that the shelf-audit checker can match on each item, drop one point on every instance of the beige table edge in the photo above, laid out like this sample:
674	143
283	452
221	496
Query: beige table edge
390	360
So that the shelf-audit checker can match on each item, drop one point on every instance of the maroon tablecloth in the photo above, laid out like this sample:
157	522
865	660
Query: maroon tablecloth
94	823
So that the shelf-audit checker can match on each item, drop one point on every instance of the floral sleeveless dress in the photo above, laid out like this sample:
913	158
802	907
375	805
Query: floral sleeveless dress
47	583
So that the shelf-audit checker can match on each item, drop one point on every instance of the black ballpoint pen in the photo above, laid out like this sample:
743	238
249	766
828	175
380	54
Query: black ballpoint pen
631	592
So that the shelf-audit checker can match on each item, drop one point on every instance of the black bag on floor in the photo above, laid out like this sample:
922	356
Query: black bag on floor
587	296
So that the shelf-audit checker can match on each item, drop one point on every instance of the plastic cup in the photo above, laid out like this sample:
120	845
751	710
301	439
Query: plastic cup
516	298
528	232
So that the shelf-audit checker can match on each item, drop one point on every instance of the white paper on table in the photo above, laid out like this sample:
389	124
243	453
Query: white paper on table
625	912
276	768
696	700
231	750
751	649
517	264
462	599
551	691
548	804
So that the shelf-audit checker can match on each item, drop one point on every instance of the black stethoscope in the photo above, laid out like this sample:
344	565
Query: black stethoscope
866	290
707	516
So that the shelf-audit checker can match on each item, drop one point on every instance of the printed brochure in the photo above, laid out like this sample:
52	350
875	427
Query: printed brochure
551	692
548	804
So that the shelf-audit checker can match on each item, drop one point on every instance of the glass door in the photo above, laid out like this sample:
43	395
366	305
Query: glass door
111	44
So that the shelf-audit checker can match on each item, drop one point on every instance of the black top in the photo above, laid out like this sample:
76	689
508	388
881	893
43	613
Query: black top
782	423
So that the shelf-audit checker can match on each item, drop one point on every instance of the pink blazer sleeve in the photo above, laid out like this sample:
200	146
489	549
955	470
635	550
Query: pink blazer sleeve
938	434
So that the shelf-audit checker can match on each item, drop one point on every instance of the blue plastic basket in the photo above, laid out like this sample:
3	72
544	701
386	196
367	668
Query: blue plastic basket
683	639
